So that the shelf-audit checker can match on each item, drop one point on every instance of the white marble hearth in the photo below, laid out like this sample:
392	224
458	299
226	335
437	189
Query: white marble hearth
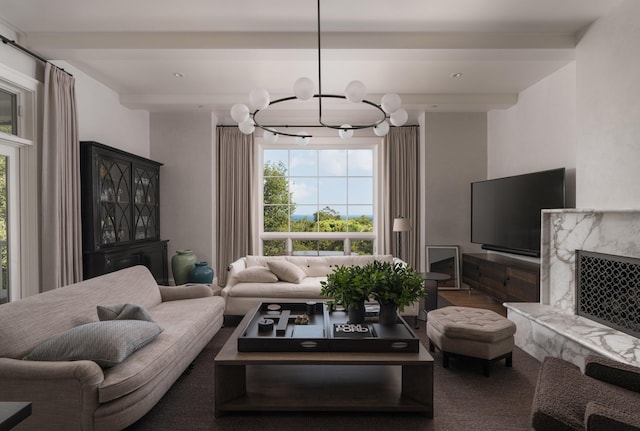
544	330
551	327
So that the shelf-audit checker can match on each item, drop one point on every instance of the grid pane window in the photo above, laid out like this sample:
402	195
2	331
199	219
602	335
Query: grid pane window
318	190
8	113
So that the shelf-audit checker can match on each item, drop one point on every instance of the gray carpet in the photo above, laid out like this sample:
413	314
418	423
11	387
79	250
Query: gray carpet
463	400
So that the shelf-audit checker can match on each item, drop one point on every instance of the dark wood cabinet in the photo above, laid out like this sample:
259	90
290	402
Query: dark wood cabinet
120	195
501	277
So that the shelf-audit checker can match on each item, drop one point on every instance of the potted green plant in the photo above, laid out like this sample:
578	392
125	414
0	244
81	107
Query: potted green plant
394	286
349	287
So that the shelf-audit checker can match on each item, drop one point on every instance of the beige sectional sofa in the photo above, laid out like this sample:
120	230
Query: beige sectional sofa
80	394
255	279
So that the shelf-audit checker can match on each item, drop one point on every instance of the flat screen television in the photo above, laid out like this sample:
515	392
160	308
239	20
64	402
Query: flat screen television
505	212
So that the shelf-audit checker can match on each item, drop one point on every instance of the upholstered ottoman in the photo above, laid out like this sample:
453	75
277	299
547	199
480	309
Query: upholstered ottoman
471	332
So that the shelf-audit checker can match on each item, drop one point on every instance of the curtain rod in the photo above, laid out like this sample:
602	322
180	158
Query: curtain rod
307	126
19	47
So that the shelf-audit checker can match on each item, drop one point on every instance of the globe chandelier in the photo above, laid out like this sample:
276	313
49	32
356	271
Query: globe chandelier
248	118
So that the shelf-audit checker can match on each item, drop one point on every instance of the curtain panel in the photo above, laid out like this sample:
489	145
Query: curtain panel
401	191
60	223
236	194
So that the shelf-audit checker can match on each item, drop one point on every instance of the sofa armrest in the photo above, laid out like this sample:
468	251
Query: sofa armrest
84	373
601	417
234	268
613	372
176	293
63	393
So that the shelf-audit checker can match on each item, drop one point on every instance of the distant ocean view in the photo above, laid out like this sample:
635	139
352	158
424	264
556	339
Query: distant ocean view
297	217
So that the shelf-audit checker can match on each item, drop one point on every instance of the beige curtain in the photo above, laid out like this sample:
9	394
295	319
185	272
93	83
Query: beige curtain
236	193
60	224
401	191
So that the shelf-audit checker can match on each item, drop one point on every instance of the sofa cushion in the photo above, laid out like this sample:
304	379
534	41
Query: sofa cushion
256	274
58	310
287	271
261	260
309	288
179	293
106	343
183	322
123	312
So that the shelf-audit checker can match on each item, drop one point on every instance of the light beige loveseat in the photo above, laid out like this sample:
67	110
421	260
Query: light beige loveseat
251	281
80	395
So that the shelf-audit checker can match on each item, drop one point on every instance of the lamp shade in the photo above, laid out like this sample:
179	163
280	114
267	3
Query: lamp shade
270	137
355	92
303	88
391	103
381	129
401	224
259	98
345	133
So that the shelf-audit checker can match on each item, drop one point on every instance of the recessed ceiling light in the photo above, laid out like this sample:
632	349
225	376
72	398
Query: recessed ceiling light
178	75
456	75
434	106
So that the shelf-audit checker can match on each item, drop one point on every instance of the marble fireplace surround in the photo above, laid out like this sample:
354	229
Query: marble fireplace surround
551	327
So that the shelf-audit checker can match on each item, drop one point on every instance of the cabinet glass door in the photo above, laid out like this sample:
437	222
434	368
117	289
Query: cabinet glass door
145	222
115	200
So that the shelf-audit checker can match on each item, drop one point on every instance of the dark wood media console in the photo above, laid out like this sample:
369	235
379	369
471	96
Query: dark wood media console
501	277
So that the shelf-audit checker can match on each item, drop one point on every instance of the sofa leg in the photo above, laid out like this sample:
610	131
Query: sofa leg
486	368
508	362
432	348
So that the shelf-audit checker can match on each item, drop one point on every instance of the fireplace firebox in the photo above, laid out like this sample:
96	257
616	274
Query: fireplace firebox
608	290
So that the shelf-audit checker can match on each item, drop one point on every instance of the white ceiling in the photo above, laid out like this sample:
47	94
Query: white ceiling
226	48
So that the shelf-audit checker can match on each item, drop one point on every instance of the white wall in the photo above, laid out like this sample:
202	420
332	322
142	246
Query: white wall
15	59
539	132
103	119
455	155
608	111
185	143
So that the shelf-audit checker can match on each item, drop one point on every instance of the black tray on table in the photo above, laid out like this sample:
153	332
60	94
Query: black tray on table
326	331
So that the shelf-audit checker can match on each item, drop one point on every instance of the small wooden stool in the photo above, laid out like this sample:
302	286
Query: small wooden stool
471	332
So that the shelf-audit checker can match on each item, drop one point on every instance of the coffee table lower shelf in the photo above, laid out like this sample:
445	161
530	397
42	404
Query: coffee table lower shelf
321	381
321	388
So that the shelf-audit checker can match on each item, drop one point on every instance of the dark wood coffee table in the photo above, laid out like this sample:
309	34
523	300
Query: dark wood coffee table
321	381
12	413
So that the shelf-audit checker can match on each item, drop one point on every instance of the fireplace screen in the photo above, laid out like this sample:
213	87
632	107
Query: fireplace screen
608	290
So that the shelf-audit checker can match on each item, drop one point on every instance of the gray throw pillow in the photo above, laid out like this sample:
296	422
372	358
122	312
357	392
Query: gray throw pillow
106	343
123	312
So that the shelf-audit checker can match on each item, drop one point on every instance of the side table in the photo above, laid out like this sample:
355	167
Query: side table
431	280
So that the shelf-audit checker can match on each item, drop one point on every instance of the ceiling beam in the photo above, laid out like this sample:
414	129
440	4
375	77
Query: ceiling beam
299	40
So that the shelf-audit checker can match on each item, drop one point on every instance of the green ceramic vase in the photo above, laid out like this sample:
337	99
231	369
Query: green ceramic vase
181	264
